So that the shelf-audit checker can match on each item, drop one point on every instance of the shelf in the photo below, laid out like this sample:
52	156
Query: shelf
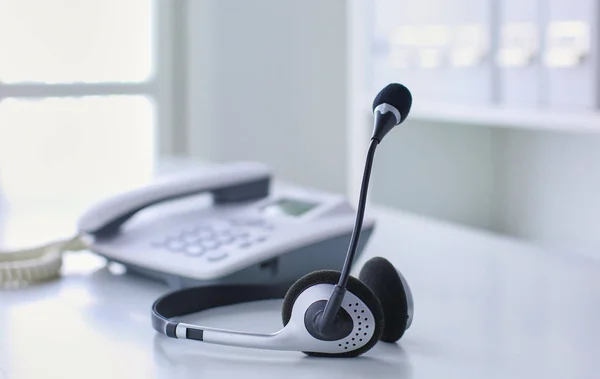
501	117
509	118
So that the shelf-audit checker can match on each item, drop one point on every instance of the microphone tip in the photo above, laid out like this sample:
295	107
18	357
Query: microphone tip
397	96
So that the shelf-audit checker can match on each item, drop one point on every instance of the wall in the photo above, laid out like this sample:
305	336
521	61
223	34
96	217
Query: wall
540	186
442	171
549	188
268	82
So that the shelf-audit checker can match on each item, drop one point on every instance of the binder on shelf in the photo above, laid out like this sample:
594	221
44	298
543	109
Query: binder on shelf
440	49
570	63
470	70
396	39
519	53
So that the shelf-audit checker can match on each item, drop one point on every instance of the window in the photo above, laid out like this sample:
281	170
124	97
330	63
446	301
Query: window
79	95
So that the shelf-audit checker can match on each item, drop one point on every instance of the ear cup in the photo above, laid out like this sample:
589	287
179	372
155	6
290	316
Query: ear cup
355	286
383	279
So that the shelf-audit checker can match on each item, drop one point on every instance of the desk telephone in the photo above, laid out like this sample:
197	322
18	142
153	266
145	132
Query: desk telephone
170	230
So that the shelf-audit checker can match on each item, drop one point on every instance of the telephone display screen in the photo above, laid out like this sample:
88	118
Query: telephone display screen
288	207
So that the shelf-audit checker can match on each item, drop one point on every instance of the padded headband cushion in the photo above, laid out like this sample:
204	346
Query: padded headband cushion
355	286
383	279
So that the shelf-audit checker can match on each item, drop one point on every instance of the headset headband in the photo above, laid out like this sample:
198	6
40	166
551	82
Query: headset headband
197	299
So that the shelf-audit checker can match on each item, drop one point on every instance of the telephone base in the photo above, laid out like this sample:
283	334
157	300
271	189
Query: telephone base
285	268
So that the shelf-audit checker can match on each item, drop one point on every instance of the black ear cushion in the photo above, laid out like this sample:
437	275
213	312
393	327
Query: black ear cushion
383	279
355	286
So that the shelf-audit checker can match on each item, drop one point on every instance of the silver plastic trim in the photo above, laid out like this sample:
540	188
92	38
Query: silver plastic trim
385	108
181	330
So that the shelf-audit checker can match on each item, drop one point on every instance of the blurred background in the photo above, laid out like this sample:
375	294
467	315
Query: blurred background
503	136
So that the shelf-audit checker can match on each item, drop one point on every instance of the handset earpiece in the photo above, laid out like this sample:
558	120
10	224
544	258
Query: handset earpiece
393	293
359	331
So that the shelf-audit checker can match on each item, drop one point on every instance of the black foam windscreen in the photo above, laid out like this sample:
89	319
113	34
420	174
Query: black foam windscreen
397	96
354	286
383	279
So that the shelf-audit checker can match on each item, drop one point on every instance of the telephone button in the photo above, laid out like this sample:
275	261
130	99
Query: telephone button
175	245
210	244
191	229
204	229
245	245
252	223
205	234
225	239
256	222
190	238
216	255
159	243
194	250
219	226
235	230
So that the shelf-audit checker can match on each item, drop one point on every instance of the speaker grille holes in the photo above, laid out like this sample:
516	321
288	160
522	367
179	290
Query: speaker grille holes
362	327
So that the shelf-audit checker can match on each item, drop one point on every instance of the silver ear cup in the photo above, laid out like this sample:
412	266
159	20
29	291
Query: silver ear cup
362	317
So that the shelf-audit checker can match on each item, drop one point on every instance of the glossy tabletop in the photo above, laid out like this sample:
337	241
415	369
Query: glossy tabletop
485	307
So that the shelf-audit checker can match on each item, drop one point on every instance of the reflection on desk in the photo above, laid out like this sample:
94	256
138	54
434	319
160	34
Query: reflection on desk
485	307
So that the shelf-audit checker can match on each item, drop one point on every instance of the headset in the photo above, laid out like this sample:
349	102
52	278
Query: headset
326	313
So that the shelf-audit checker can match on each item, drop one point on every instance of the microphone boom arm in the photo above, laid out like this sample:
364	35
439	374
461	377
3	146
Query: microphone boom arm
337	296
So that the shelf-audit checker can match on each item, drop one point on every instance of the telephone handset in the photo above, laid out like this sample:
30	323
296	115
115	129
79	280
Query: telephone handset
227	183
243	233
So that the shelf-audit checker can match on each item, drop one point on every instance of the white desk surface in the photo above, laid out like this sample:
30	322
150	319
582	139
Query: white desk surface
485	307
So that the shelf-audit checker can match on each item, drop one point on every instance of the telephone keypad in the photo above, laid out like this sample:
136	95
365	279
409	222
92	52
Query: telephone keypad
210	240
